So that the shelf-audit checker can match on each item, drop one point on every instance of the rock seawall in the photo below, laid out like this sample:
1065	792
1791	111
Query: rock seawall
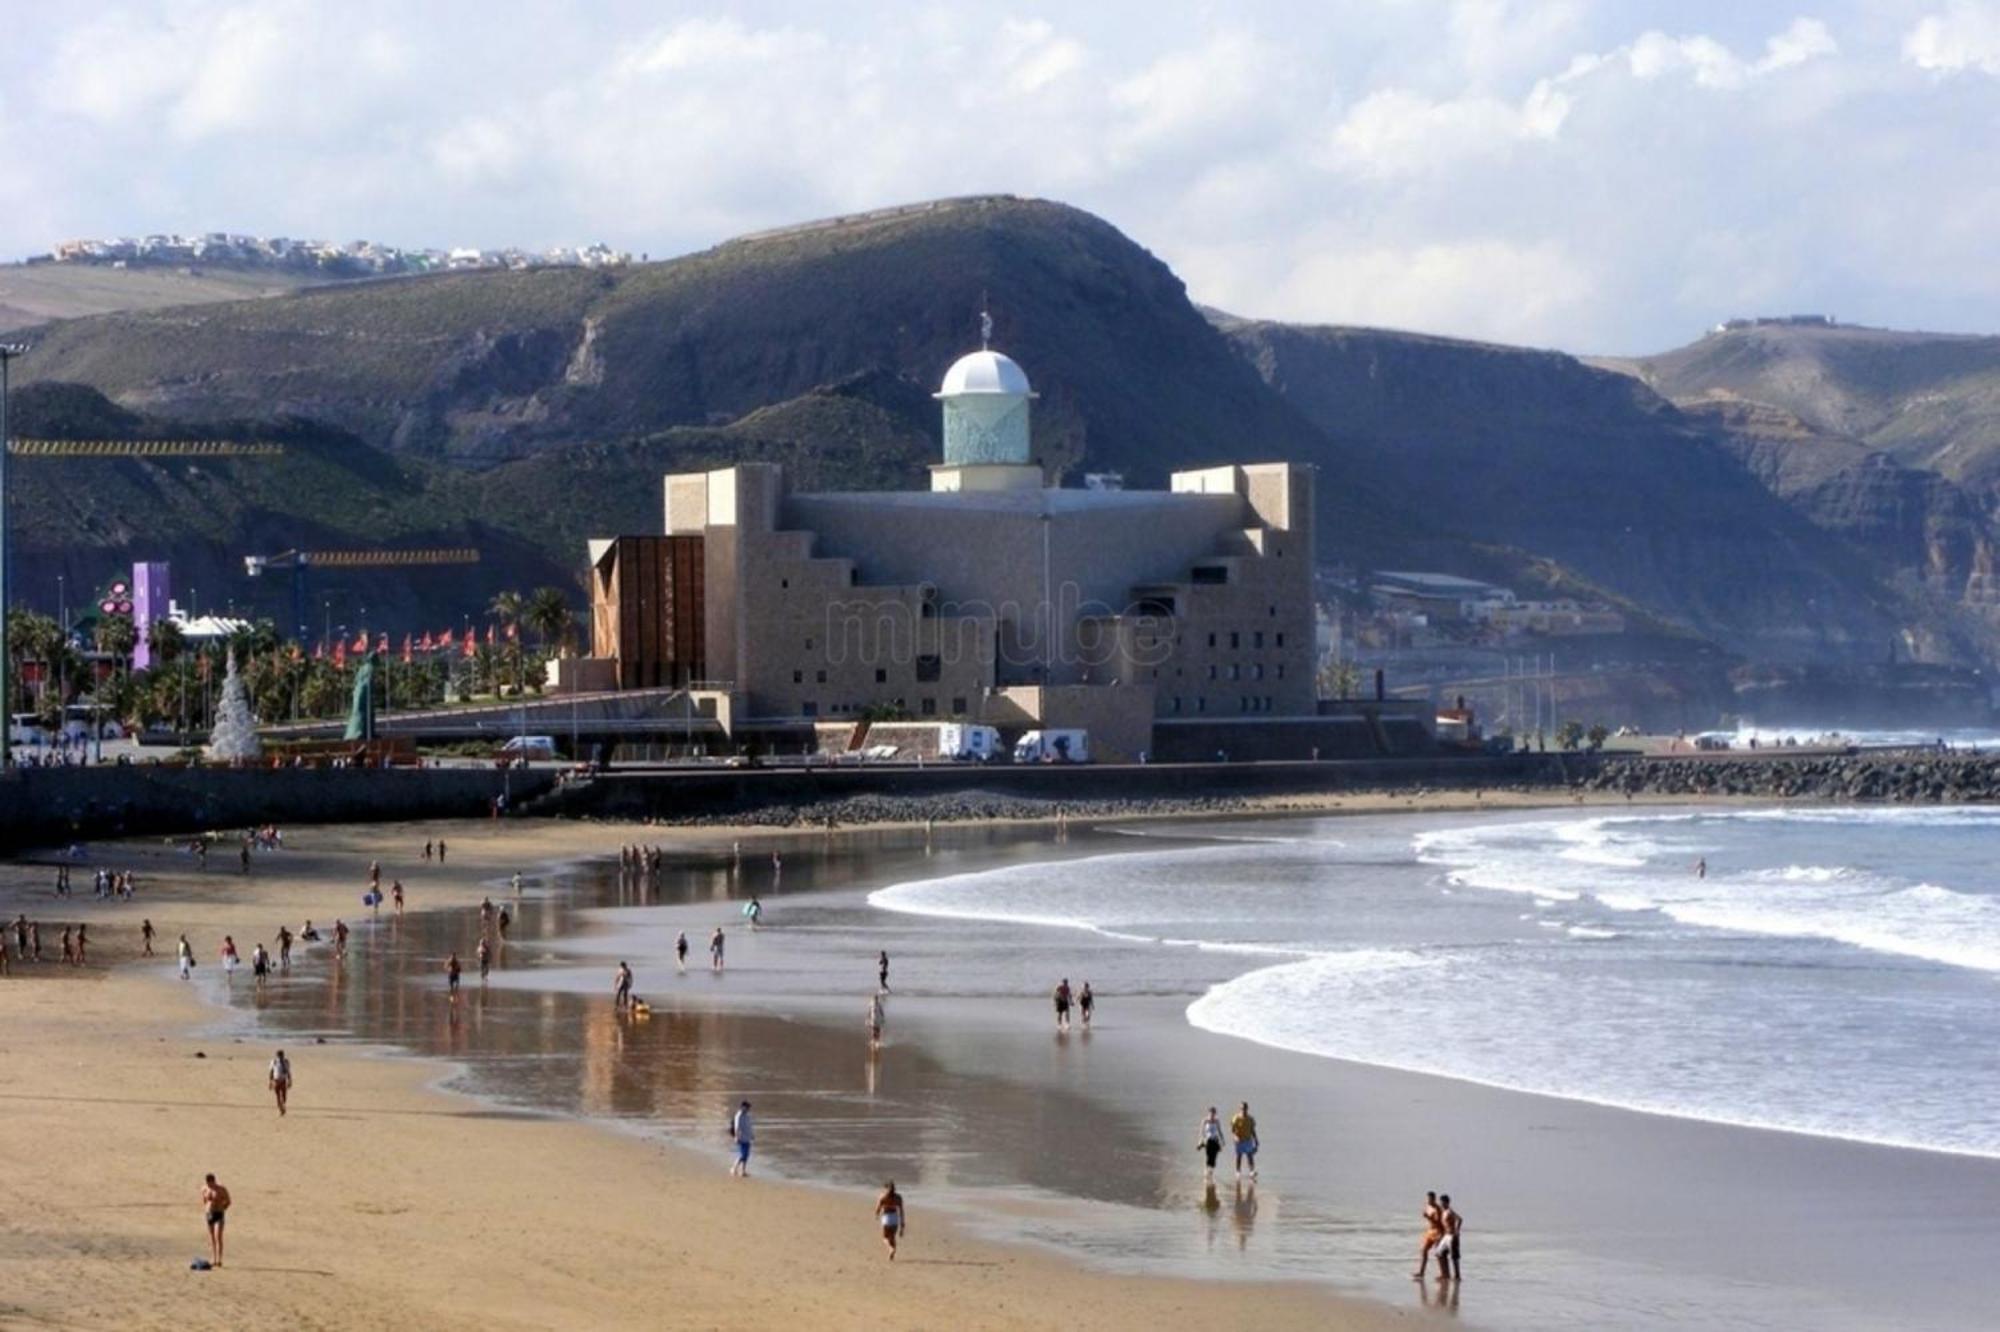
1894	779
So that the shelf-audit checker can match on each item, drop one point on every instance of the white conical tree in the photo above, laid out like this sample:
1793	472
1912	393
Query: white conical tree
234	737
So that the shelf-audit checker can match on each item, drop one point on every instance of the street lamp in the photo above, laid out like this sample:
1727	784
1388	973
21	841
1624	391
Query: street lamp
8	351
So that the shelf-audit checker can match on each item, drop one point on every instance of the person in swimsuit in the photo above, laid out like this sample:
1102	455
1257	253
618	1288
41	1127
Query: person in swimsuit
230	959
146	935
485	958
215	1211
1062	1005
1210	1143
260	963
882	971
82	944
280	1079
340	938
430	849
186	957
1433	1232
715	950
451	970
681	950
1447	1250
284	949
440	850
621	987
1243	1128
1085	1003
503	920
875	1021
396	890
891	1215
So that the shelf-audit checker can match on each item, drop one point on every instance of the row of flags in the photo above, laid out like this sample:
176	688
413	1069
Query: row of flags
427	645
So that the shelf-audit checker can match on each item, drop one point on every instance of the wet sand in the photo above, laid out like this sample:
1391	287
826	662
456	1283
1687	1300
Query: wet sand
382	1201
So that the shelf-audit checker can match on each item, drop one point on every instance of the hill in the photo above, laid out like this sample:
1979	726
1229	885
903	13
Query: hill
1928	400
530	409
32	294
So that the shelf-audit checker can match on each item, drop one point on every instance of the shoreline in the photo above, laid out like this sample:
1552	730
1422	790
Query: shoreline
358	1238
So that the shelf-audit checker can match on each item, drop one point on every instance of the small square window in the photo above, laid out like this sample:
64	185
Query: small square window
1211	640
881	676
929	707
1235	640
1281	638
820	676
798	677
1211	672
809	708
958	705
1257	639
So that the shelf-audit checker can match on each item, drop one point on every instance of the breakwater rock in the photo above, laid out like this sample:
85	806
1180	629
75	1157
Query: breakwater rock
1892	778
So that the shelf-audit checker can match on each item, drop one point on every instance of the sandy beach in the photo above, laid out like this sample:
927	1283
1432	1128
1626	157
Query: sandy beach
382	1201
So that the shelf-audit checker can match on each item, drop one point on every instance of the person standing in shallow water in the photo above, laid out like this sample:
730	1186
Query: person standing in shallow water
743	1133
451	972
1210	1143
681	950
1086	1004
1062	1005
715	950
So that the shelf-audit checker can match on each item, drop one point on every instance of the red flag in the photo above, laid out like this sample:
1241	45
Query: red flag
444	639
471	645
361	642
490	638
407	653
426	643
382	643
340	655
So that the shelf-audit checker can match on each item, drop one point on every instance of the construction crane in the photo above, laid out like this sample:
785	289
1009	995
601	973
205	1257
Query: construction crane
142	448
89	448
299	561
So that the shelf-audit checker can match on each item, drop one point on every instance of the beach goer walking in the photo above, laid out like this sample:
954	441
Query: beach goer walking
215	1212
755	911
503	920
875	1021
485	954
243	855
82	944
882	971
1086	1004
715	950
374	874
517	885
186	958
260	964
621	987
1243	1128
429	849
339	938
396	890
440	850
451	970
1433	1217
146	937
280	1079
1447	1249
1062	1005
742	1132
230	958
681	950
486	915
68	947
1209	1141
284	949
891	1215
1701	868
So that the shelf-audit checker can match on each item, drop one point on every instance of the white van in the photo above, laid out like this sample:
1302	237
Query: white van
25	728
530	747
1061	746
974	743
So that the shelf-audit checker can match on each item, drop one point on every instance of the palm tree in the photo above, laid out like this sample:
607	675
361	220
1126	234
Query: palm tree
548	614
117	636
507	608
165	640
30	637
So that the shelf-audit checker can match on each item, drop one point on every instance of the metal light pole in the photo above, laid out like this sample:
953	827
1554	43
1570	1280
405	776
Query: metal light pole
8	351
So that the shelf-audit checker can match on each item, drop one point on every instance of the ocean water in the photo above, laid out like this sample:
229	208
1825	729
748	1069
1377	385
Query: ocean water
1835	972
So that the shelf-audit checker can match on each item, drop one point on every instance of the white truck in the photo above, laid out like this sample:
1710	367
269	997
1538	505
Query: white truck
967	743
1054	746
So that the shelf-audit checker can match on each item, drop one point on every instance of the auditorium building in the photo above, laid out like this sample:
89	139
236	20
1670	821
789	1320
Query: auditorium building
1170	623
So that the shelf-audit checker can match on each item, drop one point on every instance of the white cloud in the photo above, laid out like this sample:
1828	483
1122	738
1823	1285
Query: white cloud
1965	35
1555	171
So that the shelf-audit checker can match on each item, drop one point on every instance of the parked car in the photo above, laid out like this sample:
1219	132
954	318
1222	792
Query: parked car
530	747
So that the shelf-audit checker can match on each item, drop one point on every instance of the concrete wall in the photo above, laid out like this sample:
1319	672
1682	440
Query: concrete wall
49	806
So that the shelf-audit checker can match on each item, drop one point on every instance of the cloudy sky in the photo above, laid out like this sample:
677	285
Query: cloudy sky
1606	176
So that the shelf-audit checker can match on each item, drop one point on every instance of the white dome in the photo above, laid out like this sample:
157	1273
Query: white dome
983	373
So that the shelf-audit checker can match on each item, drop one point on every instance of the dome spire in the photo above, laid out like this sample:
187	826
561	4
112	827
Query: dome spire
985	325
